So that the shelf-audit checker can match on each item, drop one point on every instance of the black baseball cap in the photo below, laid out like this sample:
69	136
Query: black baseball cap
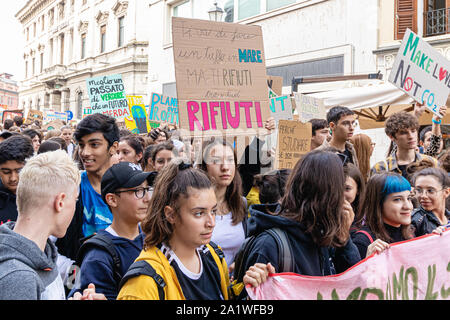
124	175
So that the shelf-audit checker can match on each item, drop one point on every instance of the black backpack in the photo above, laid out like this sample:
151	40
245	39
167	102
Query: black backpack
103	242
286	261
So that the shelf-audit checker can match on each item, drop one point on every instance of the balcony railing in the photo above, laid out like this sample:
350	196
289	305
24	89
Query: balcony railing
437	22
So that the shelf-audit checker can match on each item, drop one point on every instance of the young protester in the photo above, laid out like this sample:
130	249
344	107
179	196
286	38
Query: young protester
257	158
131	149
46	198
430	138
158	135
320	132
67	135
49	145
341	121
35	137
126	189
18	121
219	162
313	215
98	137
364	148
147	158
355	186
401	128
14	152
387	209
162	154
177	246
8	124
431	189
272	185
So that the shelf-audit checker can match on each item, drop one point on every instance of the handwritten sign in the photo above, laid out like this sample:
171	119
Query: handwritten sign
294	140
221	76
276	84
281	108
137	121
34	115
107	96
51	115
422	72
417	269
163	109
309	108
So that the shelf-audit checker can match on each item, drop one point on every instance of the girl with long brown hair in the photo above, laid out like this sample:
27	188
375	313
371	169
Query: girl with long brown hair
220	163
364	148
314	216
183	262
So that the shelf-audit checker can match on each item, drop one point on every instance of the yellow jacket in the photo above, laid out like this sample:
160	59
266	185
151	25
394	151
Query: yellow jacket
144	287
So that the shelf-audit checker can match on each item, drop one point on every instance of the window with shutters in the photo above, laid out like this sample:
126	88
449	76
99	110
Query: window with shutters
436	17
405	17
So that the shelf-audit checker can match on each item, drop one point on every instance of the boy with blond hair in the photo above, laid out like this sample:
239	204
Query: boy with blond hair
46	196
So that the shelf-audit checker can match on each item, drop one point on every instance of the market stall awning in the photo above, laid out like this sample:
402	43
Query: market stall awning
374	103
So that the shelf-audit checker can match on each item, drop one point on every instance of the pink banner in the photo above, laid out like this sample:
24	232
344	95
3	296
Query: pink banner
417	269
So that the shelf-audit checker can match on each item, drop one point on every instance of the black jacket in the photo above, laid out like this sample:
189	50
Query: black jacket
70	244
362	241
310	259
8	206
425	221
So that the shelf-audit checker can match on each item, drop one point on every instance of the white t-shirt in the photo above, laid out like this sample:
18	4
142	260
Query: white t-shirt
229	237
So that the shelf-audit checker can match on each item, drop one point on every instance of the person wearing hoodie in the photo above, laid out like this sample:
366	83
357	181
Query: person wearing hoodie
315	217
14	151
46	198
127	191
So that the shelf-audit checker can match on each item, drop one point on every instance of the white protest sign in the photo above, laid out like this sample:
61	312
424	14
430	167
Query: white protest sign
281	108
309	107
421	72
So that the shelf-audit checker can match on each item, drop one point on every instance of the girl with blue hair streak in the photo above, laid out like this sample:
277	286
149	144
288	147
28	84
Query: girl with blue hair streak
386	214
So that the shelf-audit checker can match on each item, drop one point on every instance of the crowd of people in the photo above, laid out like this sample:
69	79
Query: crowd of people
95	212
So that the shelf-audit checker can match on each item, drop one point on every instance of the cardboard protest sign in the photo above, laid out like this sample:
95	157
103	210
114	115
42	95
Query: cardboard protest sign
220	76
163	109
294	140
34	115
422	72
137	121
281	108
309	107
276	84
417	269
107	96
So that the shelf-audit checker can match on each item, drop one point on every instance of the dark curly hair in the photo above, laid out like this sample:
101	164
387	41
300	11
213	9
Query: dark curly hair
98	123
16	148
400	121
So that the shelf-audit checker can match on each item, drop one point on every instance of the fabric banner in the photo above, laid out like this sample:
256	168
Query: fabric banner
417	269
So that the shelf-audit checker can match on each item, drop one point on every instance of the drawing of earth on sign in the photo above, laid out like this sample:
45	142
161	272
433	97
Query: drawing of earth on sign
139	117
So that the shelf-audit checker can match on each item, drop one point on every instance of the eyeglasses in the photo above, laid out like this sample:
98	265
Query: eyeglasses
139	192
430	191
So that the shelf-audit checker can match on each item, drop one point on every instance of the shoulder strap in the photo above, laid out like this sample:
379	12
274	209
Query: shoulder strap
286	260
104	242
219	258
141	267
366	233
